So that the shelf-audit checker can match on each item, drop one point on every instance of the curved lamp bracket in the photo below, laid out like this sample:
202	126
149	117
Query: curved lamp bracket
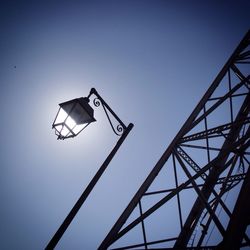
97	101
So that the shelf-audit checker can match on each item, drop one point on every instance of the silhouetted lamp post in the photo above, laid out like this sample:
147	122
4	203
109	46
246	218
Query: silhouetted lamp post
73	116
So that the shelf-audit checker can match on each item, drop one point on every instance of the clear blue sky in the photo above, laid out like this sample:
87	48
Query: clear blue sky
150	60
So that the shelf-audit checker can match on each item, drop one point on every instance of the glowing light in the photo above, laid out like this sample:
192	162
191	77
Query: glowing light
70	122
71	125
73	116
62	115
63	130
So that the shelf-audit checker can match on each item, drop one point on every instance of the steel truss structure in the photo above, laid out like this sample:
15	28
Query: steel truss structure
197	195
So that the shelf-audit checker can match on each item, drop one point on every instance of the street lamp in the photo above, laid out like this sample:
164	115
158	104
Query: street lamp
72	117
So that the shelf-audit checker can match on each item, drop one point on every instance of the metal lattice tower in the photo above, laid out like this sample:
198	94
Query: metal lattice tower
201	183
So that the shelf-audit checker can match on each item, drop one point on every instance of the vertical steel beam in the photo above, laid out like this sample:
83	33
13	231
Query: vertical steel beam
240	218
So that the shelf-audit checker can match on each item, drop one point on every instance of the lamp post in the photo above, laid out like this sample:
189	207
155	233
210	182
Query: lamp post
73	116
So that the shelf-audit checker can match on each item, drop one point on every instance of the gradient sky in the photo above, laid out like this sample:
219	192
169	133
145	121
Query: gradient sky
150	60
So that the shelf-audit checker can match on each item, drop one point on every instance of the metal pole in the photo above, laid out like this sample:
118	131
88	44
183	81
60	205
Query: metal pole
55	239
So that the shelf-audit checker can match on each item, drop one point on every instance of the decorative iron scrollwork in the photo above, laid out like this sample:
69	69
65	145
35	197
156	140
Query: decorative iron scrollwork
118	130
97	102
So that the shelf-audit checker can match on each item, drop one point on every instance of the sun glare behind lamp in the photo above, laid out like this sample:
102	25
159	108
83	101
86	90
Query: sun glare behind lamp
72	117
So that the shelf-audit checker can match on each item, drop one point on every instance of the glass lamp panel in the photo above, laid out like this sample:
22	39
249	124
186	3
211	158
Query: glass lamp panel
63	130
62	115
70	122
78	128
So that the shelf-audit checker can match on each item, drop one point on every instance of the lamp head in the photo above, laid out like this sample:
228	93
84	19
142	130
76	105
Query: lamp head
73	116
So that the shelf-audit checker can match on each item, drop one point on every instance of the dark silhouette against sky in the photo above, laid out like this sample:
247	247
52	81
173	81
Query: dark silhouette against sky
150	60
